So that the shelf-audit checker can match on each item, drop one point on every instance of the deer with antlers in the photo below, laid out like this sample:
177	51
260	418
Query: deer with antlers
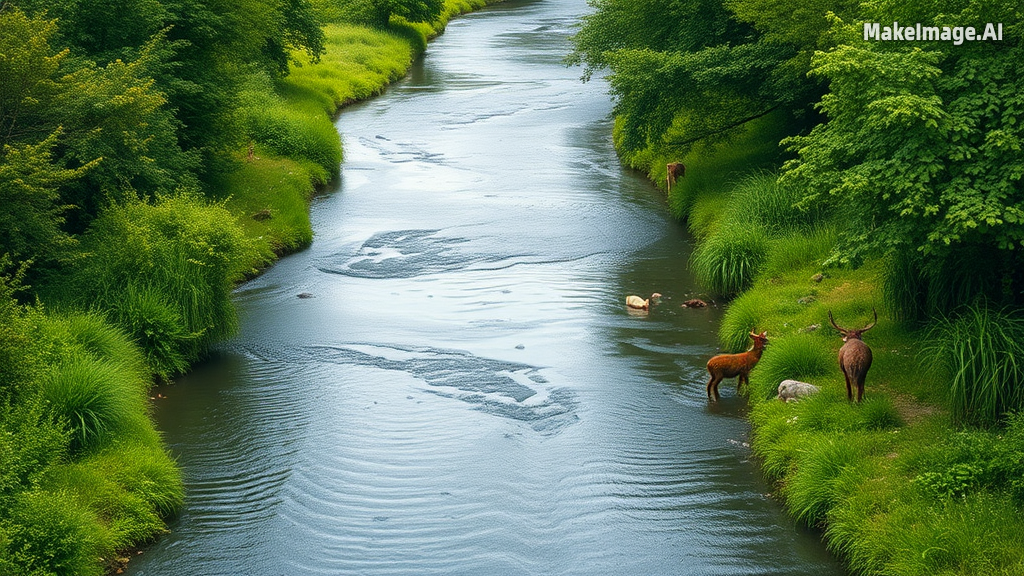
854	356
735	365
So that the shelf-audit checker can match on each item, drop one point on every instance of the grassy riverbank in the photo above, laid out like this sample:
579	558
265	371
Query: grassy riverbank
141	288
906	483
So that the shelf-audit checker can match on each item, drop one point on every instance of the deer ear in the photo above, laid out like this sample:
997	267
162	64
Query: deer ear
764	334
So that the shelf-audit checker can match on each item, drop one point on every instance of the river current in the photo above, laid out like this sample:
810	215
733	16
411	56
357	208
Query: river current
465	391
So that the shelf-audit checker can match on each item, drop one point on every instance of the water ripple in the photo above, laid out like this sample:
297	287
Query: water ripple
500	387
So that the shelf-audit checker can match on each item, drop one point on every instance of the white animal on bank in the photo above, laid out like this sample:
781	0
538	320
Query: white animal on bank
792	390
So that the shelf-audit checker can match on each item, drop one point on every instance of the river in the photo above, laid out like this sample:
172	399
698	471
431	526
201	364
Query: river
465	391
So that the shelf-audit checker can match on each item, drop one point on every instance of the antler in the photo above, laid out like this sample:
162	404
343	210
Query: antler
873	322
833	321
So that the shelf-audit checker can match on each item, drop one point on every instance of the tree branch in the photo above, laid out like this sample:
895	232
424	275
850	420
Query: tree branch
726	128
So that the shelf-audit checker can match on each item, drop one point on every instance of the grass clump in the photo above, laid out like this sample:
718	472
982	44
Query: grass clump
163	272
92	399
983	353
729	259
803	357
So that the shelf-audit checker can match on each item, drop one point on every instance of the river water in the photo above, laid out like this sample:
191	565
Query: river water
465	391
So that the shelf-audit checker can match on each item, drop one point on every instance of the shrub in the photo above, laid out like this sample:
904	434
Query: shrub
727	261
30	443
91	398
52	533
18	352
983	352
165	272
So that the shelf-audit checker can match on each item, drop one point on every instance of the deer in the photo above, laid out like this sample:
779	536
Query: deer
854	356
735	365
674	170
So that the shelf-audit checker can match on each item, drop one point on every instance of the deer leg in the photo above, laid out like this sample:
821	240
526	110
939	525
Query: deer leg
743	379
860	391
849	388
713	387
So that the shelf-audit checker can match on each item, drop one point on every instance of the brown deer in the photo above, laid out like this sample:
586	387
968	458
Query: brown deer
674	170
854	356
735	365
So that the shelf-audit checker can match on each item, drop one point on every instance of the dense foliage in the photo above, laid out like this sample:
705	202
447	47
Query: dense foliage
917	145
152	153
828	172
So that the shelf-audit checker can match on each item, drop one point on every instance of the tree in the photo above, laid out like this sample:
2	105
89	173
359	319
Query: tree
922	151
411	10
683	71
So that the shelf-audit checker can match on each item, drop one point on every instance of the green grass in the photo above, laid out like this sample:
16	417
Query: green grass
983	352
93	399
727	261
804	357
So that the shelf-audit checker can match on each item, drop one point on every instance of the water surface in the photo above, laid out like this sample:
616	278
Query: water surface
465	392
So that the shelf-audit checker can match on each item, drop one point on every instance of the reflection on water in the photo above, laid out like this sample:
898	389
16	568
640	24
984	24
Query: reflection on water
465	391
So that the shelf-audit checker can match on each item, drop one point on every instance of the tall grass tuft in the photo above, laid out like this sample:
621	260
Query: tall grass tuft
744	315
762	200
92	398
983	353
830	466
916	289
797	357
800	248
727	261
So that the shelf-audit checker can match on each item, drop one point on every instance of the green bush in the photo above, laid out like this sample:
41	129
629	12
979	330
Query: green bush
727	261
30	443
53	534
164	273
19	362
983	353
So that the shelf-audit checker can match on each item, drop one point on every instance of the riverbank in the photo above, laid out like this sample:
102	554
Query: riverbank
143	287
294	146
898	484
